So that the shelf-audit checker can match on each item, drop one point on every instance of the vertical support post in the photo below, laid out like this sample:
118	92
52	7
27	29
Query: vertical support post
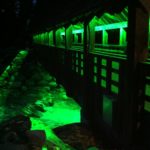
54	37
86	108
51	38
69	37
137	38
92	35
58	38
122	38
105	37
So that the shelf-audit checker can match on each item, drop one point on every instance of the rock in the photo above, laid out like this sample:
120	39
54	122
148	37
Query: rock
53	84
46	88
39	107
31	111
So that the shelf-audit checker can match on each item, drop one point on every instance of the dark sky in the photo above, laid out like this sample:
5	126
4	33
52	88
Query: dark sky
22	17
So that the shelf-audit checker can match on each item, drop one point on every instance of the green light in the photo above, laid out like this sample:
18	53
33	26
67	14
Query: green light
111	26
77	31
114	89
77	62
82	73
62	33
22	54
59	37
95	79
82	56
64	111
105	37
54	117
114	76
148	78
122	37
104	62
77	69
81	64
95	69
51	38
147	90
76	55
103	72
5	76
7	68
147	106
75	38
95	60
110	54
115	65
107	109
103	83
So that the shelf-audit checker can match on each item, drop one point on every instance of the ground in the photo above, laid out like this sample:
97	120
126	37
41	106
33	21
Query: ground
27	88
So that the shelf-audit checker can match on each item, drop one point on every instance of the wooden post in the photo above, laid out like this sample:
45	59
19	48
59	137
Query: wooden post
69	37
137	39
92	35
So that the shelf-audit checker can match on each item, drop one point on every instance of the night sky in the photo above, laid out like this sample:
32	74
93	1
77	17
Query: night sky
21	18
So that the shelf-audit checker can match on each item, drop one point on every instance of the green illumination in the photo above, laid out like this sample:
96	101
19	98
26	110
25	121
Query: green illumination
93	148
95	60
122	37
82	56
51	43
147	90
110	51
78	25
5	76
107	109
148	78
115	65
95	69
62	33
111	26
103	83
103	72
54	117
147	106
115	76
60	40
104	62
105	37
95	79
76	55
110	54
77	69
77	31
64	111
77	62
81	64
114	89
82	73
